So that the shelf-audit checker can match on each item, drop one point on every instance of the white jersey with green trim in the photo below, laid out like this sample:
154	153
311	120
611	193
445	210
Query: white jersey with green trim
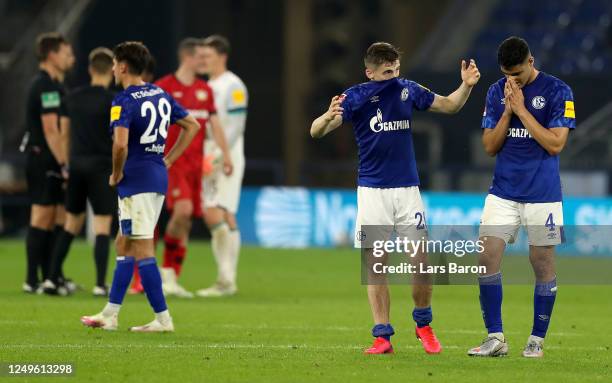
231	100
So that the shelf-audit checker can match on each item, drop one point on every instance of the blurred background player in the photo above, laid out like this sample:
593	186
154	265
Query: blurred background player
222	191
45	118
388	183
183	200
140	117
89	146
527	119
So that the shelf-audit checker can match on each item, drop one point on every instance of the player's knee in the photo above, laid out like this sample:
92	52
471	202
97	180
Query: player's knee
42	217
102	224
213	216
74	223
182	211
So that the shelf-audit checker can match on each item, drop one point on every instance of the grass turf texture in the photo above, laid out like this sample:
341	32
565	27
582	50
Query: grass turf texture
300	315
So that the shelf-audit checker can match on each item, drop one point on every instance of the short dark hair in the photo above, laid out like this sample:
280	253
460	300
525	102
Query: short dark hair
135	54
219	43
512	51
380	53
101	60
48	42
189	45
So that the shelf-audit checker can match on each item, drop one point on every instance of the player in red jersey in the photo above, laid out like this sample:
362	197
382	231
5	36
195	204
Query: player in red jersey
185	175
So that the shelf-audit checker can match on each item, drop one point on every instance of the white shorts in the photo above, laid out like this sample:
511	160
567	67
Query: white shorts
138	214
219	190
502	218
380	212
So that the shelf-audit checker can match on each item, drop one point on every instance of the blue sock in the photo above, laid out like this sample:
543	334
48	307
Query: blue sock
422	317
383	331
491	301
152	283
543	301
121	280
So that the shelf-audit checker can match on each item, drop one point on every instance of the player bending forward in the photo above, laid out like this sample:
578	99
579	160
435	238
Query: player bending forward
526	122
388	192
140	117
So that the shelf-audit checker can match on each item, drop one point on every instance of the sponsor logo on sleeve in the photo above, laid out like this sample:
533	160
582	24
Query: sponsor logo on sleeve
238	96
115	113
569	110
50	99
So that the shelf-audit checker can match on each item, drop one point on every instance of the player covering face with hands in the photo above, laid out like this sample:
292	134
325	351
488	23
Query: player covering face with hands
527	119
388	194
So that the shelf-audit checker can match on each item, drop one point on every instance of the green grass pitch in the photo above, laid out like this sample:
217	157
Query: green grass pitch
300	315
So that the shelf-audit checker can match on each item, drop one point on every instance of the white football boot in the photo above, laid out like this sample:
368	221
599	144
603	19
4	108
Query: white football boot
155	326
217	290
493	345
170	286
102	321
534	348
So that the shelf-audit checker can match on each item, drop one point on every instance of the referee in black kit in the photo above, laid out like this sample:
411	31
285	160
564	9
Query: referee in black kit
90	153
45	118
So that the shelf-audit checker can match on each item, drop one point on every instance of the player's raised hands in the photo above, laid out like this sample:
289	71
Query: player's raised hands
469	72
515	97
334	108
507	93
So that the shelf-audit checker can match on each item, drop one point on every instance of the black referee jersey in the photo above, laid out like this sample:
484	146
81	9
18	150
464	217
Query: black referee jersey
42	170
90	158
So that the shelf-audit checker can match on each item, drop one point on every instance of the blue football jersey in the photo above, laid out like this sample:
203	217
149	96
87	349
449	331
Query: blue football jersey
147	111
381	113
524	171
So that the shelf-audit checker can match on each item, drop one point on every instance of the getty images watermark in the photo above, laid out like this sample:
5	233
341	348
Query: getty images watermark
410	247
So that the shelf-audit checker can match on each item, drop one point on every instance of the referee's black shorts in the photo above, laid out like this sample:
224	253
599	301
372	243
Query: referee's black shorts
44	177
90	185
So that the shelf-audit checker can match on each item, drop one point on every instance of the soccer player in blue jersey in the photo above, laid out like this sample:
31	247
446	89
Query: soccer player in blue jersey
388	193
527	119
140	116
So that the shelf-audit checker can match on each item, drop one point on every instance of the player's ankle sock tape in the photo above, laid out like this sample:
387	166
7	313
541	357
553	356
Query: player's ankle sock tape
37	242
101	251
491	295
121	279
543	302
383	331
61	246
171	245
152	283
422	316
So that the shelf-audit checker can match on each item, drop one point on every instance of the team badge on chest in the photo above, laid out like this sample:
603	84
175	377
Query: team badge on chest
201	95
538	102
404	95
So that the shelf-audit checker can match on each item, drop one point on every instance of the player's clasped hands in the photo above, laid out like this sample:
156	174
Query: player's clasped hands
469	72
334	108
514	96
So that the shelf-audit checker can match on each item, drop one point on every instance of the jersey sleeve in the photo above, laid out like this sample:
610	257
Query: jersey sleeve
51	100
347	101
562	113
120	113
422	98
237	98
178	112
491	115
